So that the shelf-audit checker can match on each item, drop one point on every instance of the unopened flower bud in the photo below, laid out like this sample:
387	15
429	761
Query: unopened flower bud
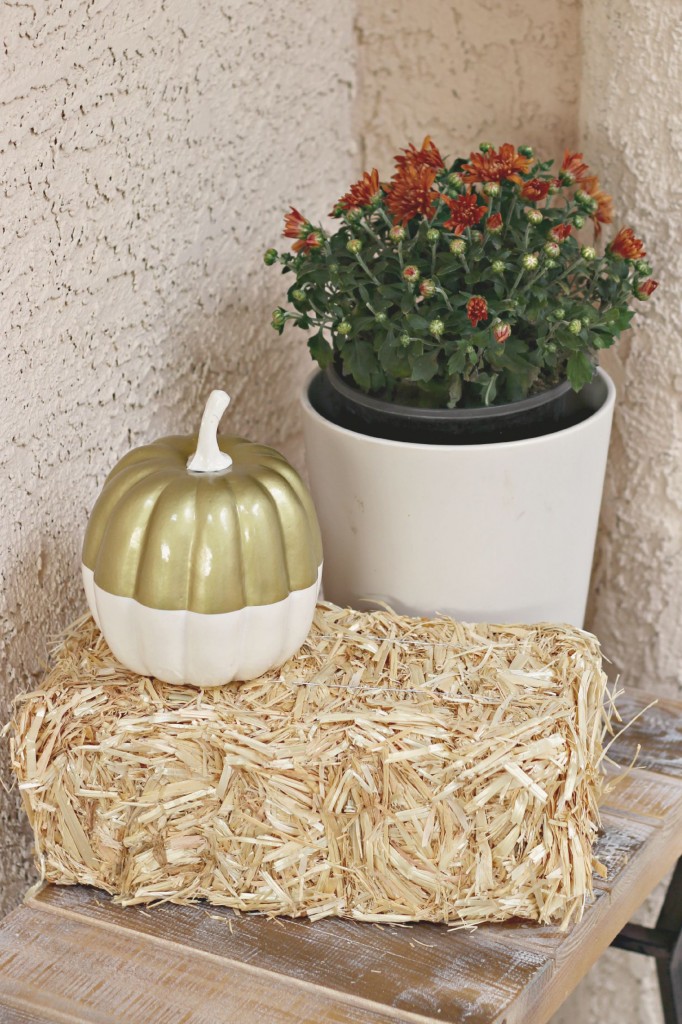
278	318
583	198
458	247
551	264
552	249
404	340
526	150
494	224
575	326
485	147
578	221
334	268
427	288
501	332
551	347
645	289
380	318
588	253
354	246
534	216
432	235
644	268
491	188
559	313
498	267
269	257
344	327
476	236
411	273
397	233
298	295
529	261
353	214
455	180
436	327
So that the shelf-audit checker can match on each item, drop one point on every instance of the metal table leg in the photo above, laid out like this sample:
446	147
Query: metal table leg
664	942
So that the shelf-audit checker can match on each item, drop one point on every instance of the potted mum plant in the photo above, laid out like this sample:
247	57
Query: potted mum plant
457	431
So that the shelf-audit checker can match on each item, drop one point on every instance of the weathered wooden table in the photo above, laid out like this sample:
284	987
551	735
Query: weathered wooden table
69	955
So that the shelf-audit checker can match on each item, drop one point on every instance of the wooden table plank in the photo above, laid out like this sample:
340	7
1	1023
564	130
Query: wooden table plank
658	732
644	794
74	970
424	970
17	1015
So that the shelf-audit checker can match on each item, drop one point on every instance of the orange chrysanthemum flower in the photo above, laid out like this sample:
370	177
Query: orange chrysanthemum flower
464	213
411	193
560	232
573	169
477	309
363	193
627	246
506	164
535	190
427	156
296	226
604	211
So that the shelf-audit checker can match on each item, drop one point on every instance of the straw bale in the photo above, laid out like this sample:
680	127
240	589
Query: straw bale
396	769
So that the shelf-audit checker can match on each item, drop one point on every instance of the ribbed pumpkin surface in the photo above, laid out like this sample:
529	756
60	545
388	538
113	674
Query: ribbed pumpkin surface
204	542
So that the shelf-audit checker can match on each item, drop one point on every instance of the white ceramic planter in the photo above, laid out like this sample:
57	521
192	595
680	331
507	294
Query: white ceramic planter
496	532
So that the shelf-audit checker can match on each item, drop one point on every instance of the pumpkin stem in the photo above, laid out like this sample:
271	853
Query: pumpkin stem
208	457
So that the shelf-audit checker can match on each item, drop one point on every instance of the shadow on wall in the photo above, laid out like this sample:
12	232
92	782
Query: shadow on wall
40	585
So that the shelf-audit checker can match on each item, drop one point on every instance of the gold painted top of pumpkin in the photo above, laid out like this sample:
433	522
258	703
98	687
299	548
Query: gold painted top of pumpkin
177	529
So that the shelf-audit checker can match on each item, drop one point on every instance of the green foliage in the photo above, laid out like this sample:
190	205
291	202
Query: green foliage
413	340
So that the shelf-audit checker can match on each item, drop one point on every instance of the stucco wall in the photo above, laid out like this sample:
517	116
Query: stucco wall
496	70
631	127
147	151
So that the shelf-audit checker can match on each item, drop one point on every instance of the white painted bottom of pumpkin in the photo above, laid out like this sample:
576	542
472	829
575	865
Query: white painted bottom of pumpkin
192	648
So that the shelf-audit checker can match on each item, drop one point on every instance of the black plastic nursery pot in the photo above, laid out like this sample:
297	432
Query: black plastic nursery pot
545	413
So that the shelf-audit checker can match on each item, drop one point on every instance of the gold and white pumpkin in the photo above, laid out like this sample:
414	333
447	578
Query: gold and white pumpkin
202	558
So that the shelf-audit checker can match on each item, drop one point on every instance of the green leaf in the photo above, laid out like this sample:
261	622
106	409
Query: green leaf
360	363
457	361
619	319
425	367
320	350
393	358
579	370
416	322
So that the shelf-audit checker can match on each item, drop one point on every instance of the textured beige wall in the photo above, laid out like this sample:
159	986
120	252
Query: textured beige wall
147	152
631	127
465	72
